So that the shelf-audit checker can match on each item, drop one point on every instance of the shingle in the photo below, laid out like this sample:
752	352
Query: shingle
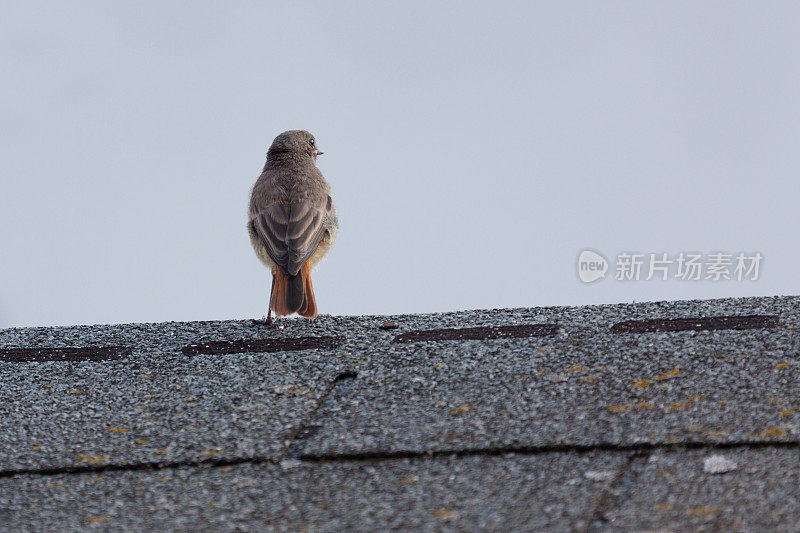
67	415
554	491
155	404
584	387
675	492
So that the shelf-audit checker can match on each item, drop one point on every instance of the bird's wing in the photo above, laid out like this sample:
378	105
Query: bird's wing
291	232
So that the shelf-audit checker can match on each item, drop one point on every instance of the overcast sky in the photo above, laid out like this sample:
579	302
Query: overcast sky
474	149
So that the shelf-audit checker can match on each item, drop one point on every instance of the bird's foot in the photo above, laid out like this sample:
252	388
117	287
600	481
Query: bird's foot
263	321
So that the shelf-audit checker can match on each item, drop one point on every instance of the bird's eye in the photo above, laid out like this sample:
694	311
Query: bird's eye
311	141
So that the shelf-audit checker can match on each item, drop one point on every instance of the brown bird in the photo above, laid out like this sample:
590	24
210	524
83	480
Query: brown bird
292	221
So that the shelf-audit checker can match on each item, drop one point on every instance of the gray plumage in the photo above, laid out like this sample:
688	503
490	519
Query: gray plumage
292	216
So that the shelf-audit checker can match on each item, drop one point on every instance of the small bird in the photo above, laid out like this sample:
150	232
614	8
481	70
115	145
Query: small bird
292	221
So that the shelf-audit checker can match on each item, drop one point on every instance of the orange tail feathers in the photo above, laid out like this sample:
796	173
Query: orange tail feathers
310	310
293	294
277	298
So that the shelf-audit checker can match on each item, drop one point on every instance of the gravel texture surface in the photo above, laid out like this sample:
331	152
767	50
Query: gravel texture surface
672	491
547	491
562	426
585	386
155	405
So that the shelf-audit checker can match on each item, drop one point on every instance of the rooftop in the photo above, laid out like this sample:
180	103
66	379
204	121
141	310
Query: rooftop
667	415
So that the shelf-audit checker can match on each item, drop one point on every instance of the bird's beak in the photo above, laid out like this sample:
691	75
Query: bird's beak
317	152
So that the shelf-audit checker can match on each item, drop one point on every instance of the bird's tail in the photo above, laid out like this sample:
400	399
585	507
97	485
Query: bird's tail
293	294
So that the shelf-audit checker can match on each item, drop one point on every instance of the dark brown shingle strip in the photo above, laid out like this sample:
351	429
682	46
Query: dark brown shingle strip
479	333
87	353
261	345
709	323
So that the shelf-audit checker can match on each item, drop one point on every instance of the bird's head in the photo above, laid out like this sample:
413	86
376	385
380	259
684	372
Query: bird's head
294	143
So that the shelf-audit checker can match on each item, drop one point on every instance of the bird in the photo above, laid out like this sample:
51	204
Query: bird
292	221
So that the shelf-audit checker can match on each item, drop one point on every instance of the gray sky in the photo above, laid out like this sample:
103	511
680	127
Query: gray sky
473	148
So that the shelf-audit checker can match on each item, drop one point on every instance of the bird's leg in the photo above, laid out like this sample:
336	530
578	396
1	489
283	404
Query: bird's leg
268	321
269	304
263	321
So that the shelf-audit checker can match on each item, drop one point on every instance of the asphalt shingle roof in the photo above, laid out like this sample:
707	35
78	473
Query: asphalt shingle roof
668	415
